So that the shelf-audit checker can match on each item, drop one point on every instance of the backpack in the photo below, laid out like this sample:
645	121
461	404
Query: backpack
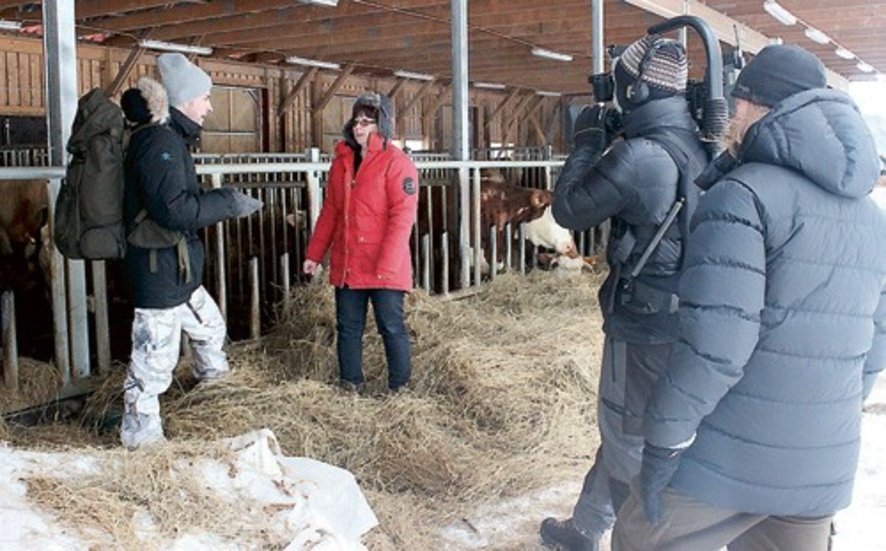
89	206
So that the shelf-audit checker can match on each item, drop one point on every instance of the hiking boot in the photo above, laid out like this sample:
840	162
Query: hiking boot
562	535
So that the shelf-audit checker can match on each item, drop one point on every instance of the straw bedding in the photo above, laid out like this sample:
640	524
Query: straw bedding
502	402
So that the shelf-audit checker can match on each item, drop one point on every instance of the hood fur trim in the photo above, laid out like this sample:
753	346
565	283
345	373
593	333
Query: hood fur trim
156	98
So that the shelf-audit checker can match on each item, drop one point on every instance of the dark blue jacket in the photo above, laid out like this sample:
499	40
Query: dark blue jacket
782	312
635	184
161	179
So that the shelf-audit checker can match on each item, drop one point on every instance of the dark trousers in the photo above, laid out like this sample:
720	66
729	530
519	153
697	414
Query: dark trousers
350	323
691	524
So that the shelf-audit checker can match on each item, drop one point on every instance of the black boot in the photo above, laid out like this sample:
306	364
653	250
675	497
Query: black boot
562	535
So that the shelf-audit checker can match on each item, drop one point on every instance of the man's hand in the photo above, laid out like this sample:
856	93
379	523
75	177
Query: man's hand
658	468
244	205
591	128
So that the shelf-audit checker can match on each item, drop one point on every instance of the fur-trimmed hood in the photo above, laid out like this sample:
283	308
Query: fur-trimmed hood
147	103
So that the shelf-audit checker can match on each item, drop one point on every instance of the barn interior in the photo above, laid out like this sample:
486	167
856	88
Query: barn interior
477	85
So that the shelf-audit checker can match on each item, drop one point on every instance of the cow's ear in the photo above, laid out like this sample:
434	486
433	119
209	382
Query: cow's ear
541	198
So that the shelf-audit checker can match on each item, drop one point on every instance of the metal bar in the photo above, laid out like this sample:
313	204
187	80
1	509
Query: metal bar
102	325
10	346
254	300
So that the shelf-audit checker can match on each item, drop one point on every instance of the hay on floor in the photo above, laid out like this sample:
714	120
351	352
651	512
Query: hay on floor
502	400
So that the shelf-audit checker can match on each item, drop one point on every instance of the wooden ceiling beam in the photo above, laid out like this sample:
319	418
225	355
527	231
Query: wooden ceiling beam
186	13
303	81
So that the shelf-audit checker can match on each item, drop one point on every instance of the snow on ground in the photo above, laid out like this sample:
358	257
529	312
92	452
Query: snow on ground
513	524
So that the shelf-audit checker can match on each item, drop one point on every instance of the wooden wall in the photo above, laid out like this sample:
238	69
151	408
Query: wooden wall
273	108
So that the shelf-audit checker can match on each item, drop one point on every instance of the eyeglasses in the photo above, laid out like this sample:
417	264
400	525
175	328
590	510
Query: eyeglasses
359	121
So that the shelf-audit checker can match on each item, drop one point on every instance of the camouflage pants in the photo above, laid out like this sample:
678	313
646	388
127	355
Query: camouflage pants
156	345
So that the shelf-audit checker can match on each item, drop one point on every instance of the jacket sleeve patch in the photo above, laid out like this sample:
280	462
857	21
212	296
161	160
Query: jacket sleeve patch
409	186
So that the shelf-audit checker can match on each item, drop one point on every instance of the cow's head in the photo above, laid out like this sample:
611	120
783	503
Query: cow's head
544	231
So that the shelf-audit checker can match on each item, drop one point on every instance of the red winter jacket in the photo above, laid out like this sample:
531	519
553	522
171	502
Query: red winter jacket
367	218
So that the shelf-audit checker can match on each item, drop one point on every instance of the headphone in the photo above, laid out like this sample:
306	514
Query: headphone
638	91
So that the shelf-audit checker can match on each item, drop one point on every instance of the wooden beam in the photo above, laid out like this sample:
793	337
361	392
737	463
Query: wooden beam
517	113
511	95
303	81
401	114
135	54
333	89
395	90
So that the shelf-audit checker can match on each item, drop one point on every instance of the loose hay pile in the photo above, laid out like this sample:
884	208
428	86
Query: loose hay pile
502	400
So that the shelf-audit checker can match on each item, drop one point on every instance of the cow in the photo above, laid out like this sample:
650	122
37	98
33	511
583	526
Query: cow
24	213
502	204
25	252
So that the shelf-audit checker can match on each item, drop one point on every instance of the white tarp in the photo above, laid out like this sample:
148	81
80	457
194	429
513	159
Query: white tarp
320	506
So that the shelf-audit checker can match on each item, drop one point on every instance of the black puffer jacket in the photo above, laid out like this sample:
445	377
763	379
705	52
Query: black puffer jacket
635	184
161	179
783	317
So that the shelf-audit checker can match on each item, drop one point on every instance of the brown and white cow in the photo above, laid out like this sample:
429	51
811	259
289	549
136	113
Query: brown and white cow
502	204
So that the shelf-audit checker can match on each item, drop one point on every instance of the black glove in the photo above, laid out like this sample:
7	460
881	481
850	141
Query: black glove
658	468
244	205
591	128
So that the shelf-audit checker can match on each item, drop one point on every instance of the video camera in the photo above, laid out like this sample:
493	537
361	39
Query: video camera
707	103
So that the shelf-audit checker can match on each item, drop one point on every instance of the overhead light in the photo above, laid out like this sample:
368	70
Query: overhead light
327	3
295	60
816	35
844	53
415	76
548	94
489	85
776	10
10	25
173	47
541	52
864	67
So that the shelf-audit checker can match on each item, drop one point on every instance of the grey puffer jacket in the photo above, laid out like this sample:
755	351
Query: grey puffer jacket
635	183
161	179
783	317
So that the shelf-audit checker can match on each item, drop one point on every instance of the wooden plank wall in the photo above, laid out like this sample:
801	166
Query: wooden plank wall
497	116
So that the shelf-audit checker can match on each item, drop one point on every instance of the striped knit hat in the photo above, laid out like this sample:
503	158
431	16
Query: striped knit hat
665	72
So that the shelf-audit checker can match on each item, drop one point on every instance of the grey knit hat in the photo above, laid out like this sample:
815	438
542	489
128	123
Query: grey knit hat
777	72
664	71
182	79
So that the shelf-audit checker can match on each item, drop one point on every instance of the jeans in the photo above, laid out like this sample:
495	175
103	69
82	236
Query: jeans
350	322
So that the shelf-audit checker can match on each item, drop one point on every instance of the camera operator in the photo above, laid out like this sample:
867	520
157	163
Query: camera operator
644	185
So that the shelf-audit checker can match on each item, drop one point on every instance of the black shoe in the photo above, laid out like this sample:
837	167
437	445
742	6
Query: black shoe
562	535
349	387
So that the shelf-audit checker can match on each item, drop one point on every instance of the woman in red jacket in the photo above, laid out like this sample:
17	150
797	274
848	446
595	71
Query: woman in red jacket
365	224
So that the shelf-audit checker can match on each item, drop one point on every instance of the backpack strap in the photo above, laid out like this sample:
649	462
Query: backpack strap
181	248
628	285
684	204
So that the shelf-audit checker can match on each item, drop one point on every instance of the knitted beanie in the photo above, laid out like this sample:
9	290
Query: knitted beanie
664	70
182	79
777	72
